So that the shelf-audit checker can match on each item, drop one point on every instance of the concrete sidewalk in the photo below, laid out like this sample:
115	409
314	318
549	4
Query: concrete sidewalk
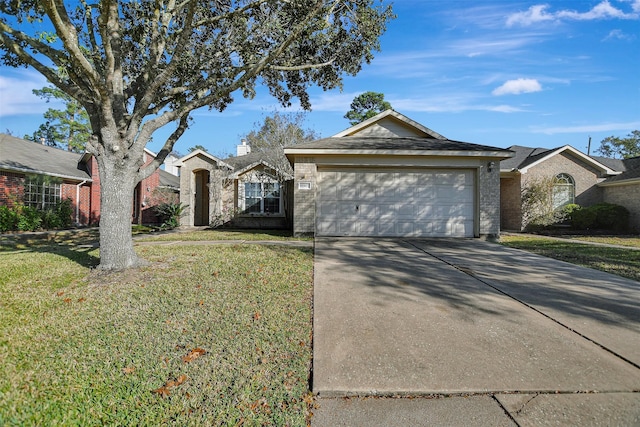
498	336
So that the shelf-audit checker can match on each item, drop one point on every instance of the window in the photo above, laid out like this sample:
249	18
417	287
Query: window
41	192
262	197
563	190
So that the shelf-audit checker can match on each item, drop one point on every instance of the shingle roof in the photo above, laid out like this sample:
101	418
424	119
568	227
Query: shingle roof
631	170
395	143
169	180
523	156
31	157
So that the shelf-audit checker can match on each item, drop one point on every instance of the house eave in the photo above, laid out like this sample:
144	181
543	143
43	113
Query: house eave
39	172
424	153
630	181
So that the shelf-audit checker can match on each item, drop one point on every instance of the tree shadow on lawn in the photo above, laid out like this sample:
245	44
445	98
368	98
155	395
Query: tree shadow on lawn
52	243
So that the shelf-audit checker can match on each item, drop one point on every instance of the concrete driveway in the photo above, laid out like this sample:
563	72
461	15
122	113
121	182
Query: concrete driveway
493	336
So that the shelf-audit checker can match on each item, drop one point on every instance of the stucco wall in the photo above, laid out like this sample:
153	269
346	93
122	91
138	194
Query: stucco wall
627	196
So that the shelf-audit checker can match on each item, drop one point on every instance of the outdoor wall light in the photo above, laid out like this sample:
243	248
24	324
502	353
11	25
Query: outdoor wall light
490	166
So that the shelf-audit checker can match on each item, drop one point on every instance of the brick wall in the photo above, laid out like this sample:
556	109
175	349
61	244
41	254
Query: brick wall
584	176
489	182
304	201
510	203
11	187
620	195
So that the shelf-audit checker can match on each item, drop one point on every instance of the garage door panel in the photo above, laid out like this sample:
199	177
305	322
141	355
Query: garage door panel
396	203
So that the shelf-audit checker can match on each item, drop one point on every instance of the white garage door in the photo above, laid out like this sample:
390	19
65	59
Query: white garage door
429	203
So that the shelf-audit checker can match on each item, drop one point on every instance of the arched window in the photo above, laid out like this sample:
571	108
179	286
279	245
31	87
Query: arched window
564	190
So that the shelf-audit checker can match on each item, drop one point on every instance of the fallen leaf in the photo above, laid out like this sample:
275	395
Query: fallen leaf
193	354
257	315
67	300
162	392
59	293
201	302
81	299
128	370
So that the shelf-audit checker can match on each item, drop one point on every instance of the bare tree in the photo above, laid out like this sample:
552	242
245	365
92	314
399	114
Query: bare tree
278	131
138	66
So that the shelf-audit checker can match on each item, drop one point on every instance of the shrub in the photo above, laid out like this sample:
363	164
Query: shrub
611	217
29	219
605	216
583	219
8	219
169	214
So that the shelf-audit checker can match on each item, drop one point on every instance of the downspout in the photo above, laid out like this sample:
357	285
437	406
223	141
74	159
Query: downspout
78	201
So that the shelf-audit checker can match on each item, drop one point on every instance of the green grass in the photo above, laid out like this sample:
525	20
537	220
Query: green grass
623	262
630	241
82	348
221	234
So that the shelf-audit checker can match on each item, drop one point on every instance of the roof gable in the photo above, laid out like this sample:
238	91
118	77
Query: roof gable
389	123
29	157
204	155
528	157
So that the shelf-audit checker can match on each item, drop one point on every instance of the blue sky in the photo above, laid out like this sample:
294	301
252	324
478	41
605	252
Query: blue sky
496	73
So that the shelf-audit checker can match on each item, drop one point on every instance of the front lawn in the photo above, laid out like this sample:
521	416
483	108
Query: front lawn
203	336
623	262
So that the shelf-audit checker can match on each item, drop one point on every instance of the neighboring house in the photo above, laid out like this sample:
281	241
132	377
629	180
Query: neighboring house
245	191
391	176
75	176
624	189
579	178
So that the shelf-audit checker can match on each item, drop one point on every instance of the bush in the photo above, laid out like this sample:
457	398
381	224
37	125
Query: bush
604	216
611	217
8	219
583	219
29	219
25	218
169	214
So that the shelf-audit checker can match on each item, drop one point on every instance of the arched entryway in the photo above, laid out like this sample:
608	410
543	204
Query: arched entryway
201	197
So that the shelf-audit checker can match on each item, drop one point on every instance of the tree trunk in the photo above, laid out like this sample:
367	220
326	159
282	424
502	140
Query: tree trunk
116	203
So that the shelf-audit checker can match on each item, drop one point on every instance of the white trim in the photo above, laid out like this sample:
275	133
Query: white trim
180	162
401	117
629	181
576	153
447	153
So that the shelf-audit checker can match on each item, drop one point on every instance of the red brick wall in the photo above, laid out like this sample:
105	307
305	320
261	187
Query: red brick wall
11	187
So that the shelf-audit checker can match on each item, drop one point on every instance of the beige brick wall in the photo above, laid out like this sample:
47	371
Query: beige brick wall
489	200
510	203
304	201
584	176
587	193
627	196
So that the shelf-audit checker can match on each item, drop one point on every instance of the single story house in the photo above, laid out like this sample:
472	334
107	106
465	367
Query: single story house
74	176
578	178
391	176
245	191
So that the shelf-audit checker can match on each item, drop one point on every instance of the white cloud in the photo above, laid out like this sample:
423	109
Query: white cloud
17	97
603	127
619	35
603	10
518	86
